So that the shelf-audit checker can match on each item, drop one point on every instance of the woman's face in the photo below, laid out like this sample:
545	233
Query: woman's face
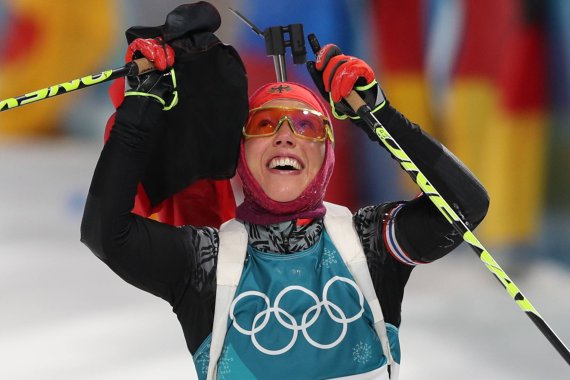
284	164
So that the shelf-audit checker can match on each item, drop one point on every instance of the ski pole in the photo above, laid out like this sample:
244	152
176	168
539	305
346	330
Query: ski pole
136	67
362	109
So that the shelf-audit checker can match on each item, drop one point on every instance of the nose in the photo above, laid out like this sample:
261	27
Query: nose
284	136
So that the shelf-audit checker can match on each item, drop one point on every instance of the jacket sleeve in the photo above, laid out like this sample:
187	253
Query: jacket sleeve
417	229
153	256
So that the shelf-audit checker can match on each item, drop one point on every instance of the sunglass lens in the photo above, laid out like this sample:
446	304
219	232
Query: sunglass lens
308	124
262	122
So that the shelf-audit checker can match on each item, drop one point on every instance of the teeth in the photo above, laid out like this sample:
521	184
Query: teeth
284	161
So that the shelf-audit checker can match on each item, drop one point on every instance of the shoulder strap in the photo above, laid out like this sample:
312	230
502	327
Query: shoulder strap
231	256
338	222
340	227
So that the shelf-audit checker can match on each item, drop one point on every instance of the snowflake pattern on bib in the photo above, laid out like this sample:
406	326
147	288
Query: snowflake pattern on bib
328	259
362	352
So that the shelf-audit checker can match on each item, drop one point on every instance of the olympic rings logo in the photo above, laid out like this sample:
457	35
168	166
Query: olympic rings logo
288	321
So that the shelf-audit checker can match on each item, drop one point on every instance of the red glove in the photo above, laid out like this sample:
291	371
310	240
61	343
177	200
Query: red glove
159	84
153	49
340	72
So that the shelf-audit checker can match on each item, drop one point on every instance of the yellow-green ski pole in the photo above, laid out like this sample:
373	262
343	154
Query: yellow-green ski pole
360	107
136	67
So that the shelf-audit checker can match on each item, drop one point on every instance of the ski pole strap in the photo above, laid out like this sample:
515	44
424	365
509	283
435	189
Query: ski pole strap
360	107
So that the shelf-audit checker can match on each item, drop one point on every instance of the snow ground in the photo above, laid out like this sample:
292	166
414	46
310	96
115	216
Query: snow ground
64	315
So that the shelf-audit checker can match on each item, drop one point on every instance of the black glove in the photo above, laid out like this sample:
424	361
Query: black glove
336	75
160	84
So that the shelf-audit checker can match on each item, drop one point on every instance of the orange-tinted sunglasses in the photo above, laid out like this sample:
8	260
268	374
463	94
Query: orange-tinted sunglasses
304	123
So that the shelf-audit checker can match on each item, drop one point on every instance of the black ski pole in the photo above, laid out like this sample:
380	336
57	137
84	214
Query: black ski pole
362	109
136	67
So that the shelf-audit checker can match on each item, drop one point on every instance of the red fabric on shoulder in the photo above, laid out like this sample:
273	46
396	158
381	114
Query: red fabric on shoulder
204	203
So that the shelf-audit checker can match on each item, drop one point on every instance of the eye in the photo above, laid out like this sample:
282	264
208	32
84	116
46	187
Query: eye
306	125
264	125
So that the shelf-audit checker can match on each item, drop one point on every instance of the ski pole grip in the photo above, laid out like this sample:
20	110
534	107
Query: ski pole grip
143	66
355	101
314	43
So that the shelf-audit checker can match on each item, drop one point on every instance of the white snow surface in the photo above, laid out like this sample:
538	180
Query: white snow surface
65	315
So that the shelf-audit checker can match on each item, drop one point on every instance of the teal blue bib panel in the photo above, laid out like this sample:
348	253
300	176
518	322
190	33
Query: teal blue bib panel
297	316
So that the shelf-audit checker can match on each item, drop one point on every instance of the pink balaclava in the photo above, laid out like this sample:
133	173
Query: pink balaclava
257	207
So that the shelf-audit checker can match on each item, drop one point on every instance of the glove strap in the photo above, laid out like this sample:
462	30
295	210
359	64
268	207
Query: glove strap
165	107
359	89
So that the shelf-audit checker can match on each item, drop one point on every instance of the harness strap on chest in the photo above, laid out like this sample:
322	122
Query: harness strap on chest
339	225
231	256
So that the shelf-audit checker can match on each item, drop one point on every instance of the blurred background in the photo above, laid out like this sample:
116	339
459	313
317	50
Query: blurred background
490	79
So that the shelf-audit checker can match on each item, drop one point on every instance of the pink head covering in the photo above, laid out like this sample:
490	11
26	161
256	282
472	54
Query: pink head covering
257	207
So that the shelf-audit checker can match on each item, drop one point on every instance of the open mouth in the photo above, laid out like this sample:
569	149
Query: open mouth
285	163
